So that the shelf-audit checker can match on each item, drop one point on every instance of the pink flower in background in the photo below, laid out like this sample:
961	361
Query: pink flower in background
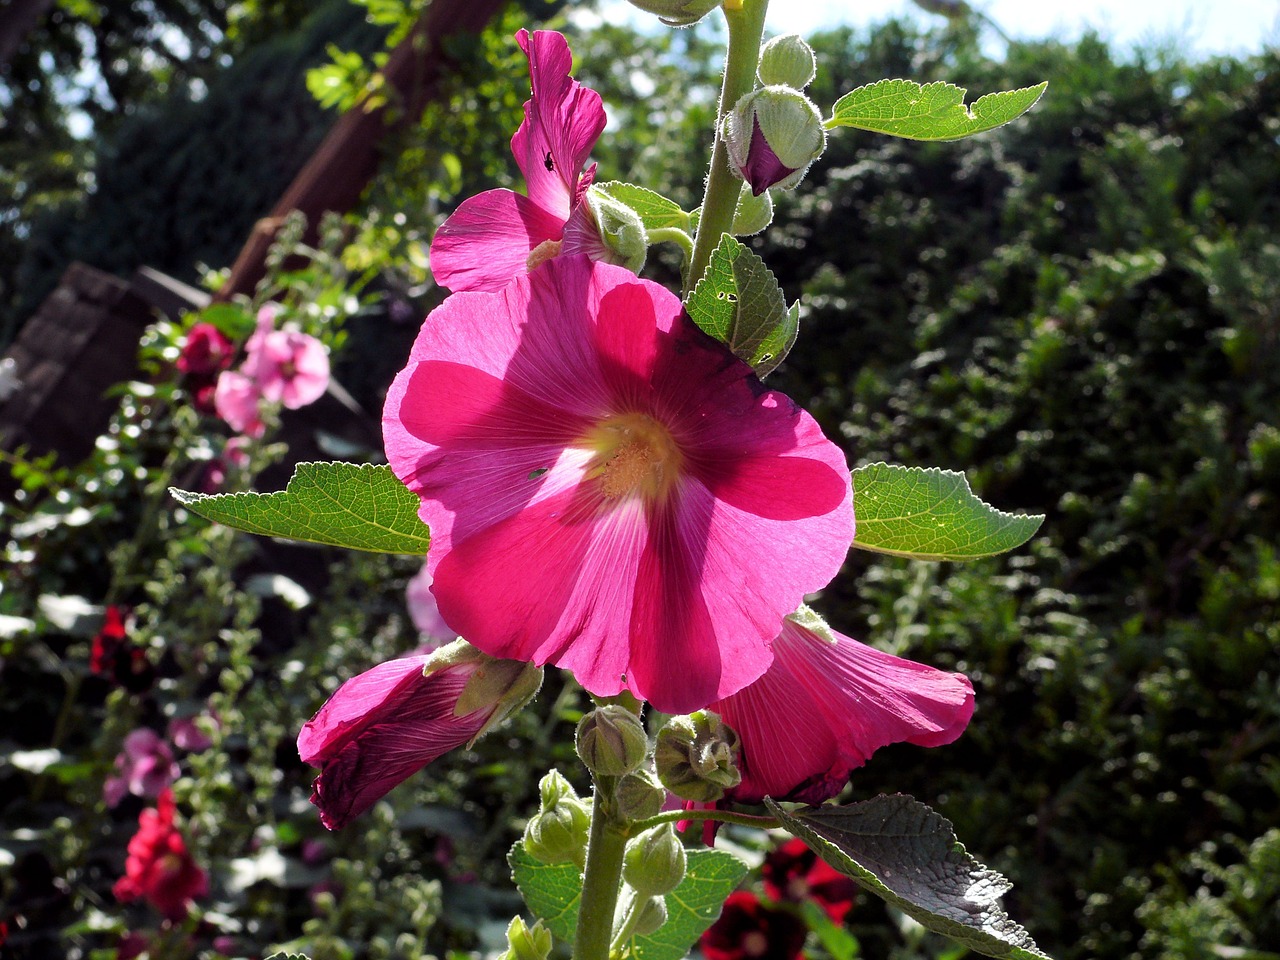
425	614
388	723
499	234
145	767
206	350
794	873
238	401
823	708
159	868
281	366
188	733
609	489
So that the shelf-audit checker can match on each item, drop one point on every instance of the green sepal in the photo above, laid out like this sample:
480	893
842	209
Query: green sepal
907	854
931	514
358	506
655	211
739	302
935	111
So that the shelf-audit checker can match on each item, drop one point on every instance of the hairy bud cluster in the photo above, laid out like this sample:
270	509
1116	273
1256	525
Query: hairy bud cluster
695	757
612	741
560	830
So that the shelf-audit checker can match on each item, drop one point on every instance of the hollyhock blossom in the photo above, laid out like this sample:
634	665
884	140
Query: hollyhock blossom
238	400
826	704
794	873
748	929
389	722
158	868
189	733
609	489
425	613
114	656
499	234
288	366
206	353
145	767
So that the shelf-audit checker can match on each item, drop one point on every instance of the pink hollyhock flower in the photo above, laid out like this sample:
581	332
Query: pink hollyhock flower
189	733
145	767
748	929
389	722
824	707
608	488
238	400
288	366
425	614
159	869
499	234
794	873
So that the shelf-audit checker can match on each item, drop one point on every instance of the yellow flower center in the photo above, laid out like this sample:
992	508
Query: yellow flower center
634	456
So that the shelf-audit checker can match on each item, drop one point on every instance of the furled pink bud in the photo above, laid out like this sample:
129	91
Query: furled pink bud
389	722
773	135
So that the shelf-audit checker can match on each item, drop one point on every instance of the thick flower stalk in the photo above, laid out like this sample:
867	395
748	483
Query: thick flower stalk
500	234
608	489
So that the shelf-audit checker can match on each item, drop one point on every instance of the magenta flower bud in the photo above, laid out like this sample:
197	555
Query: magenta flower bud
773	135
388	723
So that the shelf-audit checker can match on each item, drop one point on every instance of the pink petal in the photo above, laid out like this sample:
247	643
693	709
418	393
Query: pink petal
238	402
563	120
488	239
821	710
309	379
424	612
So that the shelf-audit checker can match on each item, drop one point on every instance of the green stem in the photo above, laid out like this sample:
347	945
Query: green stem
746	27
601	881
724	816
675	235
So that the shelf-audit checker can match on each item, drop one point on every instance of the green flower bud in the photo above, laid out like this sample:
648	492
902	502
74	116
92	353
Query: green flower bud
773	135
554	788
621	230
612	741
654	862
653	914
694	757
753	212
560	834
525	942
677	13
639	796
788	61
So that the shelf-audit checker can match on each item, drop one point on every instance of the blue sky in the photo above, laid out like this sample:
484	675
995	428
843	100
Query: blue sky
1201	27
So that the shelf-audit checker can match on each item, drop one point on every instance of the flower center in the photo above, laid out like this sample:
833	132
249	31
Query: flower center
755	944
542	253
634	456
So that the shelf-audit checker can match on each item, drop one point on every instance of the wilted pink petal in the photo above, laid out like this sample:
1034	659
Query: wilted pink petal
239	402
424	612
822	709
610	490
493	236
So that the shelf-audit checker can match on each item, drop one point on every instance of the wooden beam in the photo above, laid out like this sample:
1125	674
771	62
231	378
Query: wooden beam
346	160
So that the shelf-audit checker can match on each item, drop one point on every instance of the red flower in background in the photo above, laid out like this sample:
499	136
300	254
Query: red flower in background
795	873
751	930
205	354
159	869
115	657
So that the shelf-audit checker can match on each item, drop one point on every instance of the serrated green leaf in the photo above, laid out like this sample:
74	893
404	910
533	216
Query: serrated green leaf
553	891
738	301
935	111
656	212
907	854
359	506
931	514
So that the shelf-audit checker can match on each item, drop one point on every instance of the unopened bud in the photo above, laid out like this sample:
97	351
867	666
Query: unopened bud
787	60
560	834
553	788
695	757
653	914
639	796
621	231
654	862
525	942
612	741
753	213
503	685
773	135
677	13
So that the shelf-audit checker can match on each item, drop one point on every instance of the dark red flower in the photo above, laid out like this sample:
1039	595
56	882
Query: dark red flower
794	872
111	639
207	351
159	869
751	930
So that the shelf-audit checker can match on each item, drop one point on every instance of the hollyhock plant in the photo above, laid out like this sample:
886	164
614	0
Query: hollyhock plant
388	723
610	490
499	234
749	929
826	704
794	873
145	767
159	869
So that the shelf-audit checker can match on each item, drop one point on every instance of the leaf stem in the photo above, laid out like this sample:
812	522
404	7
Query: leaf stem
723	816
602	879
746	27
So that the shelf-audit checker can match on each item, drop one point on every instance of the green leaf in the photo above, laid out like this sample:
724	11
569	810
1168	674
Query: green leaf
935	111
738	301
656	212
360	506
931	514
552	893
908	855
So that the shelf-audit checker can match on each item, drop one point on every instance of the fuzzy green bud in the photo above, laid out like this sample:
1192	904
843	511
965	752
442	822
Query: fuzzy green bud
695	757
559	834
553	788
653	914
654	862
753	212
677	13
787	60
621	230
525	942
639	796
612	741
773	135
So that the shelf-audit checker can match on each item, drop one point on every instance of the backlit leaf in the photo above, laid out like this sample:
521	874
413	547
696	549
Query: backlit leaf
935	111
